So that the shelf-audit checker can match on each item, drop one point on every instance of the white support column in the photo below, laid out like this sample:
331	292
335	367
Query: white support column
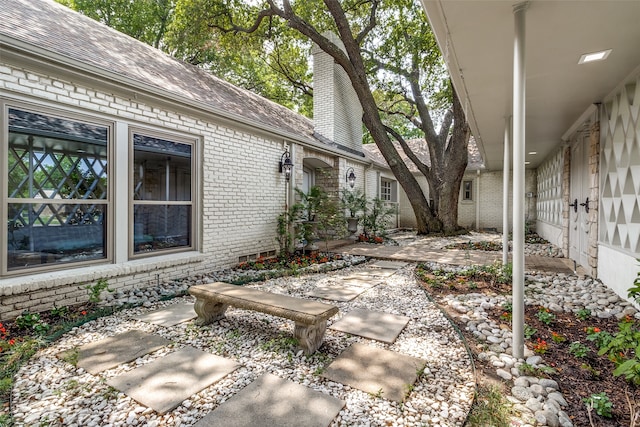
519	84
506	173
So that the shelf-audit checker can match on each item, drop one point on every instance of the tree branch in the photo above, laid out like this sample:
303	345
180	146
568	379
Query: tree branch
370	25
422	167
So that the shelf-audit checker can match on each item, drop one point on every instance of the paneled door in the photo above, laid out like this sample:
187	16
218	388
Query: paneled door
579	201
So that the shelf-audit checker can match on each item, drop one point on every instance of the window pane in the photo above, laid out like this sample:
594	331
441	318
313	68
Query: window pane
161	170
54	233
54	158
159	227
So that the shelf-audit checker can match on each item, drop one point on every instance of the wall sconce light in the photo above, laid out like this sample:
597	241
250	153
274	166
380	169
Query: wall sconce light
351	177
286	165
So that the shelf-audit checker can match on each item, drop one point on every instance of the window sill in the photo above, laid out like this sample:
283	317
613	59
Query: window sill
42	281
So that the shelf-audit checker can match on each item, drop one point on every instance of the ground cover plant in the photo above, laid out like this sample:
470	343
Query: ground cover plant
595	361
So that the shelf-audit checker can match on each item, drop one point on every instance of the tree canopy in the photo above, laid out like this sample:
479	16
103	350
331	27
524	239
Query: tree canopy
390	56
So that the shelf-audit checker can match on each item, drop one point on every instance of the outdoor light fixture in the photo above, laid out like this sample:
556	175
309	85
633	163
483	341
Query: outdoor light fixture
286	165
351	177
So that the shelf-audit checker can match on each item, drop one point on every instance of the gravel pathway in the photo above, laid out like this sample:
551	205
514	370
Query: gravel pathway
50	391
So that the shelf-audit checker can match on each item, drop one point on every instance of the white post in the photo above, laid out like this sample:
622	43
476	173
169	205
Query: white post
506	173
519	11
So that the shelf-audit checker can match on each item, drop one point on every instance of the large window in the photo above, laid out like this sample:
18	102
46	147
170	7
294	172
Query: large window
162	193
57	190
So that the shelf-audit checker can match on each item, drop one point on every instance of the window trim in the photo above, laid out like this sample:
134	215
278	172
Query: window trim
66	114
393	190
195	143
464	190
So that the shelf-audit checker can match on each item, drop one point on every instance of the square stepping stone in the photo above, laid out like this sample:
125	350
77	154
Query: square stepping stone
110	352
270	401
361	281
374	325
383	373
336	292
166	382
391	265
169	316
378	273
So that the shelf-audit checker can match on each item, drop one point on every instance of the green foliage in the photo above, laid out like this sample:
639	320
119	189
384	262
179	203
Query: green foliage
32	321
376	218
490	408
286	221
546	316
624	351
353	201
600	338
578	349
583	314
601	403
529	331
95	290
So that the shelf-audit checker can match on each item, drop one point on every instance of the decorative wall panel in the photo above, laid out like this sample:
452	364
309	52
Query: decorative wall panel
620	170
549	204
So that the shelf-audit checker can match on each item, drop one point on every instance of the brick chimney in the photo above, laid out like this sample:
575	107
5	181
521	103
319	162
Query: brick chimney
337	114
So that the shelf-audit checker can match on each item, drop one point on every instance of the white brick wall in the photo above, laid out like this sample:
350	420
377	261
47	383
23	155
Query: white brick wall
337	113
485	210
242	191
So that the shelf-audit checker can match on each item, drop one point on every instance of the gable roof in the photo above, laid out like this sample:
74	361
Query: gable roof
419	147
81	41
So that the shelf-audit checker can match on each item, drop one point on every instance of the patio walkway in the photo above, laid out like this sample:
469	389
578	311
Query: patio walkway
423	251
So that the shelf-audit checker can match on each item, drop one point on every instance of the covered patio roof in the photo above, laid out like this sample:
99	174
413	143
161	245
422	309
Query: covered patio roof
477	37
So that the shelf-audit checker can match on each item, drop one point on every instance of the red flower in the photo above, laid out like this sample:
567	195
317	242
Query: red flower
12	341
83	312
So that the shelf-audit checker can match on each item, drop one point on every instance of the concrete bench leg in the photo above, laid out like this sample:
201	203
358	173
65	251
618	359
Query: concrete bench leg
208	311
310	336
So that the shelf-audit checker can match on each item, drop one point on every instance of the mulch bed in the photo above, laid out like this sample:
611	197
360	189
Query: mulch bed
578	377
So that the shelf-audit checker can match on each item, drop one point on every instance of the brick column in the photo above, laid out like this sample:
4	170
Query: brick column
566	193
594	197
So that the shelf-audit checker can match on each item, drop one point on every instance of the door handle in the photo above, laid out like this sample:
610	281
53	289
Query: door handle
585	204
574	205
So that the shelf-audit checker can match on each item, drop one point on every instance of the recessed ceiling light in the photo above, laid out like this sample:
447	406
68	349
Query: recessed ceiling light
527	163
533	153
594	56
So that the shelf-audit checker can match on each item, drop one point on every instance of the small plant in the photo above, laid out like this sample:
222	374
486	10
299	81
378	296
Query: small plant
557	338
546	316
32	321
621	350
590	369
70	356
95	290
541	346
490	408
583	314
529	331
600	403
378	393
60	312
505	316
600	338
578	349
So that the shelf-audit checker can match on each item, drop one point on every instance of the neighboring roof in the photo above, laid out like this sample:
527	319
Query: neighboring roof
419	147
477	37
57	29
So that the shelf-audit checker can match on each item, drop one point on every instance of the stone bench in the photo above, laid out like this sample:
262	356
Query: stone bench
310	317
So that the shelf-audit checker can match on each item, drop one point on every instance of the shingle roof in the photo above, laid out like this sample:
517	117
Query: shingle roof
53	27
419	147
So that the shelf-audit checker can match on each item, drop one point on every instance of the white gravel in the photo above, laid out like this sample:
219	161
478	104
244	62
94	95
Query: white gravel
50	391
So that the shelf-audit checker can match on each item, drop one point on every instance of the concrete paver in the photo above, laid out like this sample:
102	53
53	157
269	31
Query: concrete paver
271	401
166	382
392	265
169	316
374	370
336	292
374	325
110	352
